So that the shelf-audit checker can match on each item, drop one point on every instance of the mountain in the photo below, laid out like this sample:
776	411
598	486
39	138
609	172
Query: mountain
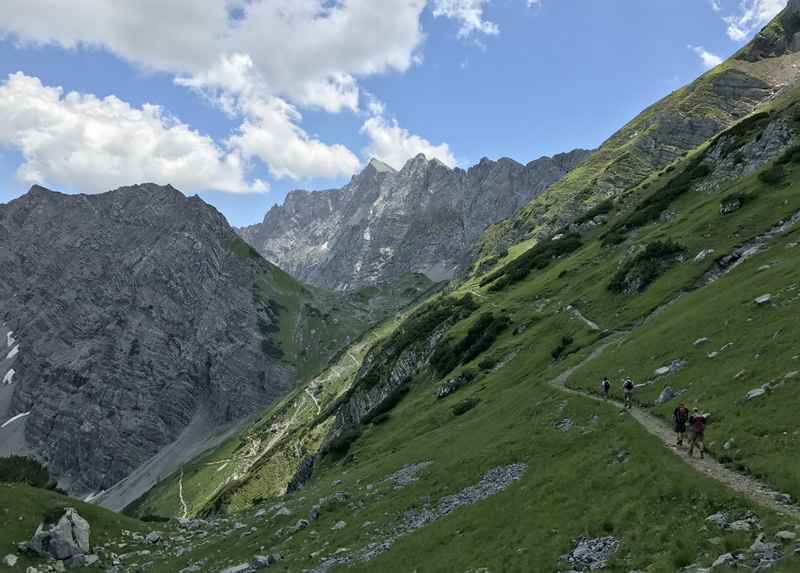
664	132
385	223
137	319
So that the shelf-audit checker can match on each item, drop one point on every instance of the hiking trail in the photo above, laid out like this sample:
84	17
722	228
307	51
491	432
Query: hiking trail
751	488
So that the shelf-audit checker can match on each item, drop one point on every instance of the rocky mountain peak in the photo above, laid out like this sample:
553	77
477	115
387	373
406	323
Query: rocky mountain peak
386	223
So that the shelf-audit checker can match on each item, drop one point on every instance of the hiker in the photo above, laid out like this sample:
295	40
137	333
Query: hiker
627	388
681	416
697	422
605	385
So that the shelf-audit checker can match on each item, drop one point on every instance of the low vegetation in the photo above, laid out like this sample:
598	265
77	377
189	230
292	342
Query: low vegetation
536	258
637	274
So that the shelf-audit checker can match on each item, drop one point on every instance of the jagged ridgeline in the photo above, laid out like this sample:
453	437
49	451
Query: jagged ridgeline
463	433
137	328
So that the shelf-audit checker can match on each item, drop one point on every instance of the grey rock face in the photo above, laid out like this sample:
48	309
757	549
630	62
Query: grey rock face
384	223
66	538
132	312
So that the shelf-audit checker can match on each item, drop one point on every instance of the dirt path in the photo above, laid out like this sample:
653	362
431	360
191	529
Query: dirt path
755	490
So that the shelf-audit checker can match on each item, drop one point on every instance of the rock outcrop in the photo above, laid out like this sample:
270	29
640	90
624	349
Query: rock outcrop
385	223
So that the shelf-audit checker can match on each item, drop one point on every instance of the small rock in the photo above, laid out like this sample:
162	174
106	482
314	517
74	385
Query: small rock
763	299
153	537
702	341
755	393
783	498
726	560
10	560
263	561
261	513
786	536
339	525
702	255
712	354
241	568
313	513
564	425
728	445
283	511
666	395
720	518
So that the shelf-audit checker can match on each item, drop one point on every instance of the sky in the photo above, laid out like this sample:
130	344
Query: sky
241	101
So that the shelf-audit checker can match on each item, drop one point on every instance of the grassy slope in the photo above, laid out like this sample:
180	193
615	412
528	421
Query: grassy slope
22	508
652	501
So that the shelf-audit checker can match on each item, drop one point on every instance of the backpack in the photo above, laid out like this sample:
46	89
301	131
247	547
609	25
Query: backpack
681	414
698	424
606	384
628	384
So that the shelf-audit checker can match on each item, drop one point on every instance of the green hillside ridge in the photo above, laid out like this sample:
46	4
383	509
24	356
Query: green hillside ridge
662	133
589	471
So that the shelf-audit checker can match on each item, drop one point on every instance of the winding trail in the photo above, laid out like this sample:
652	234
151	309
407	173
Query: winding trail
751	488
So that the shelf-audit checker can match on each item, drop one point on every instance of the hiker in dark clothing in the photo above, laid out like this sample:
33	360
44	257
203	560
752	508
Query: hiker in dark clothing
697	423
627	388
605	385
681	416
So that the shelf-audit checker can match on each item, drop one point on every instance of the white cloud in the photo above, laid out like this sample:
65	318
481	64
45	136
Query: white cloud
715	5
94	145
709	59
469	13
395	145
751	16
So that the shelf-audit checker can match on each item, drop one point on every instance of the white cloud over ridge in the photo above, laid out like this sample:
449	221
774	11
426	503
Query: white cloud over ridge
93	145
469	14
395	145
709	59
750	17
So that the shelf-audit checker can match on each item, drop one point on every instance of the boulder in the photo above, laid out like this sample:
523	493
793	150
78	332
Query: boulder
241	568
763	299
68	537
702	341
786	536
339	525
726	560
153	537
666	395
10	560
755	393
263	561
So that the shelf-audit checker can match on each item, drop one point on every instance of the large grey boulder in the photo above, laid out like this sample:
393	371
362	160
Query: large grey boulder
66	538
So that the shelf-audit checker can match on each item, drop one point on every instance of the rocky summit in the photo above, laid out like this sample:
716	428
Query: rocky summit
423	218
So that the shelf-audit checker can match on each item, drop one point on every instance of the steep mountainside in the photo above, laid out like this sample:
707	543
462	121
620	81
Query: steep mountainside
664	132
384	223
470	434
137	317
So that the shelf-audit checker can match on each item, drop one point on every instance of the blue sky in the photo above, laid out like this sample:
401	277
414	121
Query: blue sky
258	97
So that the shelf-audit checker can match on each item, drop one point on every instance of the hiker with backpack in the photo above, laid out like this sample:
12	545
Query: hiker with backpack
681	417
627	388
697	423
605	386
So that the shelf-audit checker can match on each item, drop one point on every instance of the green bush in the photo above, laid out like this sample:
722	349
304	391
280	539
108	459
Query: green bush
464	406
645	267
651	208
478	339
600	209
773	175
19	469
340	445
563	345
536	258
487	363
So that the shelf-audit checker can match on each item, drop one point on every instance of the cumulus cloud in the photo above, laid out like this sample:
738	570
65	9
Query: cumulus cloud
709	59
260	61
751	16
469	14
395	145
93	145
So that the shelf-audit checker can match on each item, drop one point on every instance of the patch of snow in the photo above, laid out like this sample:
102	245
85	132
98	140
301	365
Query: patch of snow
13	352
10	338
92	496
9	377
324	246
14	419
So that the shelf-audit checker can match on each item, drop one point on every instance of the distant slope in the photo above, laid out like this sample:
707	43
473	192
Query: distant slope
664	132
424	218
139	316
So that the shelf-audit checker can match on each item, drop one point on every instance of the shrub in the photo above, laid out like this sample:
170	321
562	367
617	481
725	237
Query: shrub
341	444
487	363
464	406
535	258
19	469
152	518
644	268
380	419
600	209
387	405
651	208
478	339
772	175
563	345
